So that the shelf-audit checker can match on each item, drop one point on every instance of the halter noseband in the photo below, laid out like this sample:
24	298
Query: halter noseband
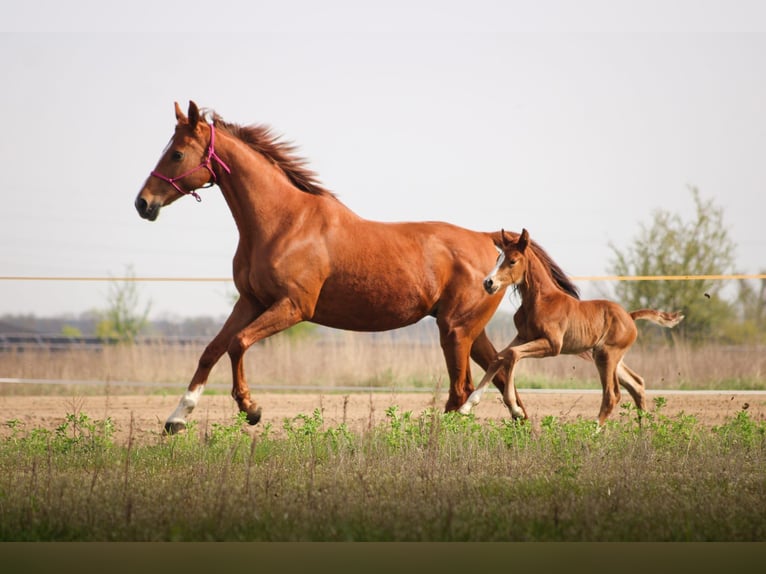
207	163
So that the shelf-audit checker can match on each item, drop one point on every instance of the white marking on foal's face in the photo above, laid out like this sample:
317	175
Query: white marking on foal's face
491	276
498	263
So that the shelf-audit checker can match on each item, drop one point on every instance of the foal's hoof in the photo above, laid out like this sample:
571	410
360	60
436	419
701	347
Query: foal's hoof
466	408
254	416
174	427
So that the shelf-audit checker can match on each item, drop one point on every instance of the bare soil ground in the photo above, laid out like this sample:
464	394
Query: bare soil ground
142	417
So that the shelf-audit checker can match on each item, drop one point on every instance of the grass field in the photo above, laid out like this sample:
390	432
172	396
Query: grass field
427	477
422	476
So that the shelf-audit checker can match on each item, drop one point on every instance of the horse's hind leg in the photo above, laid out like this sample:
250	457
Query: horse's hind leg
634	384
606	364
241	315
510	395
456	346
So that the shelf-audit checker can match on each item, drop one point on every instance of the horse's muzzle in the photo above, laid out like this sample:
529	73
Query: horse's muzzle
146	210
490	286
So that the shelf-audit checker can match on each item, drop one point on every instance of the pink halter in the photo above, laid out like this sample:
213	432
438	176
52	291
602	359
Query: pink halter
207	163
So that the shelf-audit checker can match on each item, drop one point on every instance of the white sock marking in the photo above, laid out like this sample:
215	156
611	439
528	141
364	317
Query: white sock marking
186	405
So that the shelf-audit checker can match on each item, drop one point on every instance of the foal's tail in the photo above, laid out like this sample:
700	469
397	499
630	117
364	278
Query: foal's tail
659	317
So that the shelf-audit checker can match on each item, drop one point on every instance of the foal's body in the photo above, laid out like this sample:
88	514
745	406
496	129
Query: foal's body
550	322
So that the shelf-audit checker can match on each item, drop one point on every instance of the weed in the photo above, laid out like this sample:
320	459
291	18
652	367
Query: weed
742	431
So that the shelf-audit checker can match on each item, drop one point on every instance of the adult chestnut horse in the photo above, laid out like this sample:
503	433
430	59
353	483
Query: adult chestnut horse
304	256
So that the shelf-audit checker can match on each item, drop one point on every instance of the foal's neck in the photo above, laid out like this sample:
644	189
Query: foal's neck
537	281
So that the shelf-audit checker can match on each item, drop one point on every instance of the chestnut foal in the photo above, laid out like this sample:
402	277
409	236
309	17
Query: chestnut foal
550	322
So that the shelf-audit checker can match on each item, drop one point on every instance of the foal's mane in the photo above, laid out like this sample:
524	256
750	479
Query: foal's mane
282	154
556	272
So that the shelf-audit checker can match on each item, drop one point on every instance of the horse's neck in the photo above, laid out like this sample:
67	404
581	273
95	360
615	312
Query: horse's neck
537	281
259	195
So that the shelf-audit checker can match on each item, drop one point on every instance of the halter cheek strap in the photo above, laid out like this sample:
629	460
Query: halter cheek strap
207	163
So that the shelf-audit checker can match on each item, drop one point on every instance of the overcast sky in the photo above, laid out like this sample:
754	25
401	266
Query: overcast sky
573	119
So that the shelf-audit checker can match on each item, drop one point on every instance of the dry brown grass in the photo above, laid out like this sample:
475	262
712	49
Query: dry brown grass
381	360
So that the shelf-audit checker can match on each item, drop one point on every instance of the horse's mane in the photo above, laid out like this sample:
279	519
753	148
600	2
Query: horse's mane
282	154
558	275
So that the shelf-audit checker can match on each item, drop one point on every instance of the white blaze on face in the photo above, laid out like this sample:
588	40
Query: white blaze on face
498	264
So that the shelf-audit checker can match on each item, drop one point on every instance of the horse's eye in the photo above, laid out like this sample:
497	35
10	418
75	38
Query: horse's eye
177	155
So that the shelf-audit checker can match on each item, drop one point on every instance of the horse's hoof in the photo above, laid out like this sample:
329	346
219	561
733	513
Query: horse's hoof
174	427
254	416
518	415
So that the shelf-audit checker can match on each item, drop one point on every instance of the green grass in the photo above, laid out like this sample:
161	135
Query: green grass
430	477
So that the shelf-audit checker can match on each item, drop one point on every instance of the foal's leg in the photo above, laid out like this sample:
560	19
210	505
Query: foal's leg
606	363
484	352
242	314
512	354
536	349
475	397
634	384
494	368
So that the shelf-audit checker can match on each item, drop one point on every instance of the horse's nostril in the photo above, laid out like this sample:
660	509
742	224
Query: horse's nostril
141	205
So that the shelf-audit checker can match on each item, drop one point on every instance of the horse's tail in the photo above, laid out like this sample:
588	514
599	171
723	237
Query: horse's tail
659	317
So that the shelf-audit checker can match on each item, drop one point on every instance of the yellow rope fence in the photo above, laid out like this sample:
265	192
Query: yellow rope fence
229	279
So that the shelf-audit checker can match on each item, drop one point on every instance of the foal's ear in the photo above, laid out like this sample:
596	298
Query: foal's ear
180	117
523	240
505	239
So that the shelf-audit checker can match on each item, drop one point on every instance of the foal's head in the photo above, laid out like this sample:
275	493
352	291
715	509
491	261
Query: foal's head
511	262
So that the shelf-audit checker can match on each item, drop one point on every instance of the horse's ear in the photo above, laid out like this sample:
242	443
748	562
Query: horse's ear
523	240
182	119
193	114
504	238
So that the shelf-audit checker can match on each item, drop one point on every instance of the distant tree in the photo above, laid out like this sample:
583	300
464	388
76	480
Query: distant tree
125	316
751	305
71	331
672	245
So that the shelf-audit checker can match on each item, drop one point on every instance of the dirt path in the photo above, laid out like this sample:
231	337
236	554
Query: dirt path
143	416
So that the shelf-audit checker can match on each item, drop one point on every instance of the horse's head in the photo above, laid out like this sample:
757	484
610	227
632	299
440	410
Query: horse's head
185	165
511	262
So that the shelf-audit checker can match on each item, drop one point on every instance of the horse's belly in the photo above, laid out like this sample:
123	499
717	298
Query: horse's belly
379	311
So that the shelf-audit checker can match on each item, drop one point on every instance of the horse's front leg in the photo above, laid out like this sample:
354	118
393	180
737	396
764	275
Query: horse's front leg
493	368
242	314
516	351
281	315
